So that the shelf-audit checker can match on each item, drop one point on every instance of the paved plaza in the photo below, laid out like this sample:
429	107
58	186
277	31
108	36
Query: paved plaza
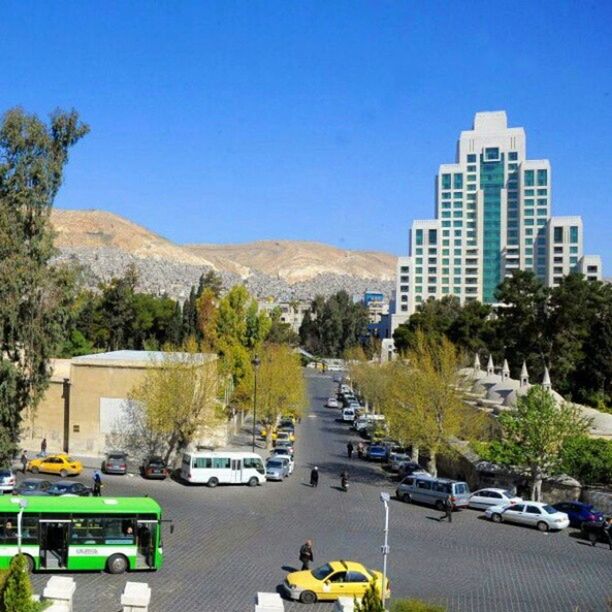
231	542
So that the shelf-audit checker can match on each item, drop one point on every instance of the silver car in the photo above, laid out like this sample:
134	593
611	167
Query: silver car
277	468
7	481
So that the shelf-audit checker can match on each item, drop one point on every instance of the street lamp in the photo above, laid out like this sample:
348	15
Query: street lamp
255	363
23	504
385	499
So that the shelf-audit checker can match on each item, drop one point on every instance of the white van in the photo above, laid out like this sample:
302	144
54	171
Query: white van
348	415
364	420
223	467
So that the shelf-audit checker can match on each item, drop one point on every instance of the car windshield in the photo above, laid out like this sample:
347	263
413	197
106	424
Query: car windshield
29	485
549	509
281	451
508	493
274	464
68	459
156	462
322	572
5	473
117	457
61	487
460	488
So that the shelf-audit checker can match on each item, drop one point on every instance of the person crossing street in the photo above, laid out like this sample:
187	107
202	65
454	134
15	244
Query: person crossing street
349	449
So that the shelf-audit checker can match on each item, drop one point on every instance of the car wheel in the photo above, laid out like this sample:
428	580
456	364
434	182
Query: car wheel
63	473
34	470
406	498
440	505
542	526
253	482
496	518
213	482
308	597
117	564
593	537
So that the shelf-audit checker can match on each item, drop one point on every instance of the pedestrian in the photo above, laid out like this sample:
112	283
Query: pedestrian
607	531
360	449
349	449
24	460
43	447
97	484
448	510
314	477
306	554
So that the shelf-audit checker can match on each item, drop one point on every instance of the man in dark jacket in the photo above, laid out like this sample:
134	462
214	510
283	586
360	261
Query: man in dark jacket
448	510
306	554
349	449
314	477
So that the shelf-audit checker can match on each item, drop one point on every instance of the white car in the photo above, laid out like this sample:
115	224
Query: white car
332	402
397	459
533	514
285	457
7	481
484	498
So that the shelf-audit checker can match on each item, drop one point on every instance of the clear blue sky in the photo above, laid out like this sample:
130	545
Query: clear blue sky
234	121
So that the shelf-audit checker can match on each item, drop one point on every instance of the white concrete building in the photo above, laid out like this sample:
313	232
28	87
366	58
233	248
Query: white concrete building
493	216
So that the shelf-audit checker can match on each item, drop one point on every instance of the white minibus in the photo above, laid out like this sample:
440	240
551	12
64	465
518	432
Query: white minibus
223	467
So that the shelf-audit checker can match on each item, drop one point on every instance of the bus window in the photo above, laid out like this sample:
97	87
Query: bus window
221	463
8	528
29	530
202	462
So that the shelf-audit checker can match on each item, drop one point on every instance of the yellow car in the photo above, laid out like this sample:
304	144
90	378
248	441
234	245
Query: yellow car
56	464
284	434
332	580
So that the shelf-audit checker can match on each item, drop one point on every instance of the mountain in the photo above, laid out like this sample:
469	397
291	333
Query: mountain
104	244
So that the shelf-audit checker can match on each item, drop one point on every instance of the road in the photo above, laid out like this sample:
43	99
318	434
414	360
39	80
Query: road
231	542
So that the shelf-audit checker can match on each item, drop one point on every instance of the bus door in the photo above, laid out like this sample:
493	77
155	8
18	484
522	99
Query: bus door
236	471
54	539
146	543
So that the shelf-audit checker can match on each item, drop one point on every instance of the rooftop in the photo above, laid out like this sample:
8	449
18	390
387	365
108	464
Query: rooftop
140	358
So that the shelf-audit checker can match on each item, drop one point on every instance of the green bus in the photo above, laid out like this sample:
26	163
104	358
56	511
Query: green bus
82	533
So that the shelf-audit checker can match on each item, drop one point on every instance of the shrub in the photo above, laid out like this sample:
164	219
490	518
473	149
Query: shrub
415	605
589	460
16	589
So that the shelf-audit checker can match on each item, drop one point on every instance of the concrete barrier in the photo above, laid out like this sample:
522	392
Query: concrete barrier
269	602
59	592
136	597
344	604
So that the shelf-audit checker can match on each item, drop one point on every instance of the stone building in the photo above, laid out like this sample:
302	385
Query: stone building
87	397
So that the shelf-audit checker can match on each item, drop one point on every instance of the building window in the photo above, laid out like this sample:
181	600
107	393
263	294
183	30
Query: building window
404	269
445	271
528	261
513	155
404	308
529	192
542	192
573	249
458	181
446	181
558	234
457	195
592	269
457	224
457	261
574	234
433	236
446	214
446	223
542	177
458	232
542	212
491	154
529	212
419	236
446	195
529	178
471	168
542	202
471	158
558	270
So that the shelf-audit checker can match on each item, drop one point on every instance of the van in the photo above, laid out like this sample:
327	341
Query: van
364	420
348	415
433	491
223	467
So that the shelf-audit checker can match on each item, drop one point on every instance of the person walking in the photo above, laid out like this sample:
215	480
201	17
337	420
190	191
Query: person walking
24	460
349	449
314	477
43	447
360	449
607	531
306	554
97	484
448	510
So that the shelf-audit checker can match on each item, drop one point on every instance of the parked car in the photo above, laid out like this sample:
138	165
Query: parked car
284	452
348	415
154	467
333	580
68	487
376	452
433	491
531	513
285	444
332	402
594	531
32	486
408	468
283	435
578	512
60	464
287	425
276	468
115	463
7	480
397	458
484	498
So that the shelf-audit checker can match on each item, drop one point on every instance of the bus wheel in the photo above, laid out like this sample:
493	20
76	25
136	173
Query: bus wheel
116	564
253	482
213	482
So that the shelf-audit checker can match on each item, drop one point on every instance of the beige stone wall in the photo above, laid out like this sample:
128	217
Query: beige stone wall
46	421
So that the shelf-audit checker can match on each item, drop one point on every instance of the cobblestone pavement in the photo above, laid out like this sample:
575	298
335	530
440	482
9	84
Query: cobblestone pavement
231	542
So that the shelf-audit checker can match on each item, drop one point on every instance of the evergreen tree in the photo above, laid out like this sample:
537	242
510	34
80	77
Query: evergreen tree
371	600
211	280
35	295
17	589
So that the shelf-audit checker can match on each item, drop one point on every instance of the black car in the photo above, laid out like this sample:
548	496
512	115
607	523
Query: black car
154	467
409	468
32	486
69	487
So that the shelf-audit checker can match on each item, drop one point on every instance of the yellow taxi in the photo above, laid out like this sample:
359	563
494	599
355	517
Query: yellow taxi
332	580
56	464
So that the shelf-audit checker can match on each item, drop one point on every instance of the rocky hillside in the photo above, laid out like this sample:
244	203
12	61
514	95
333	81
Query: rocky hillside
104	244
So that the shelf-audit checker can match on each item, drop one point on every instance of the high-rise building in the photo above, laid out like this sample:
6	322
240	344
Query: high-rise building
493	216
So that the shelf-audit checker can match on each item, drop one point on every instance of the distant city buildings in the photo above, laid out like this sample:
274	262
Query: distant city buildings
493	216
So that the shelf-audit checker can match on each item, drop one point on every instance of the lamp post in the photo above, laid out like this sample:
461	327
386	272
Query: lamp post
385	498
23	504
255	363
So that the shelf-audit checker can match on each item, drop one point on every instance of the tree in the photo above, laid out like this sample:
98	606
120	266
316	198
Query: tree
281	332
207	316
535	433
371	601
211	281
35	295
179	396
17	589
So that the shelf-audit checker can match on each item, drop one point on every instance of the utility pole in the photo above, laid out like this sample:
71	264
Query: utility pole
385	498
255	363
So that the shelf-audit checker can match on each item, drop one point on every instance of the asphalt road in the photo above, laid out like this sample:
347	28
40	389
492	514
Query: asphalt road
231	542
